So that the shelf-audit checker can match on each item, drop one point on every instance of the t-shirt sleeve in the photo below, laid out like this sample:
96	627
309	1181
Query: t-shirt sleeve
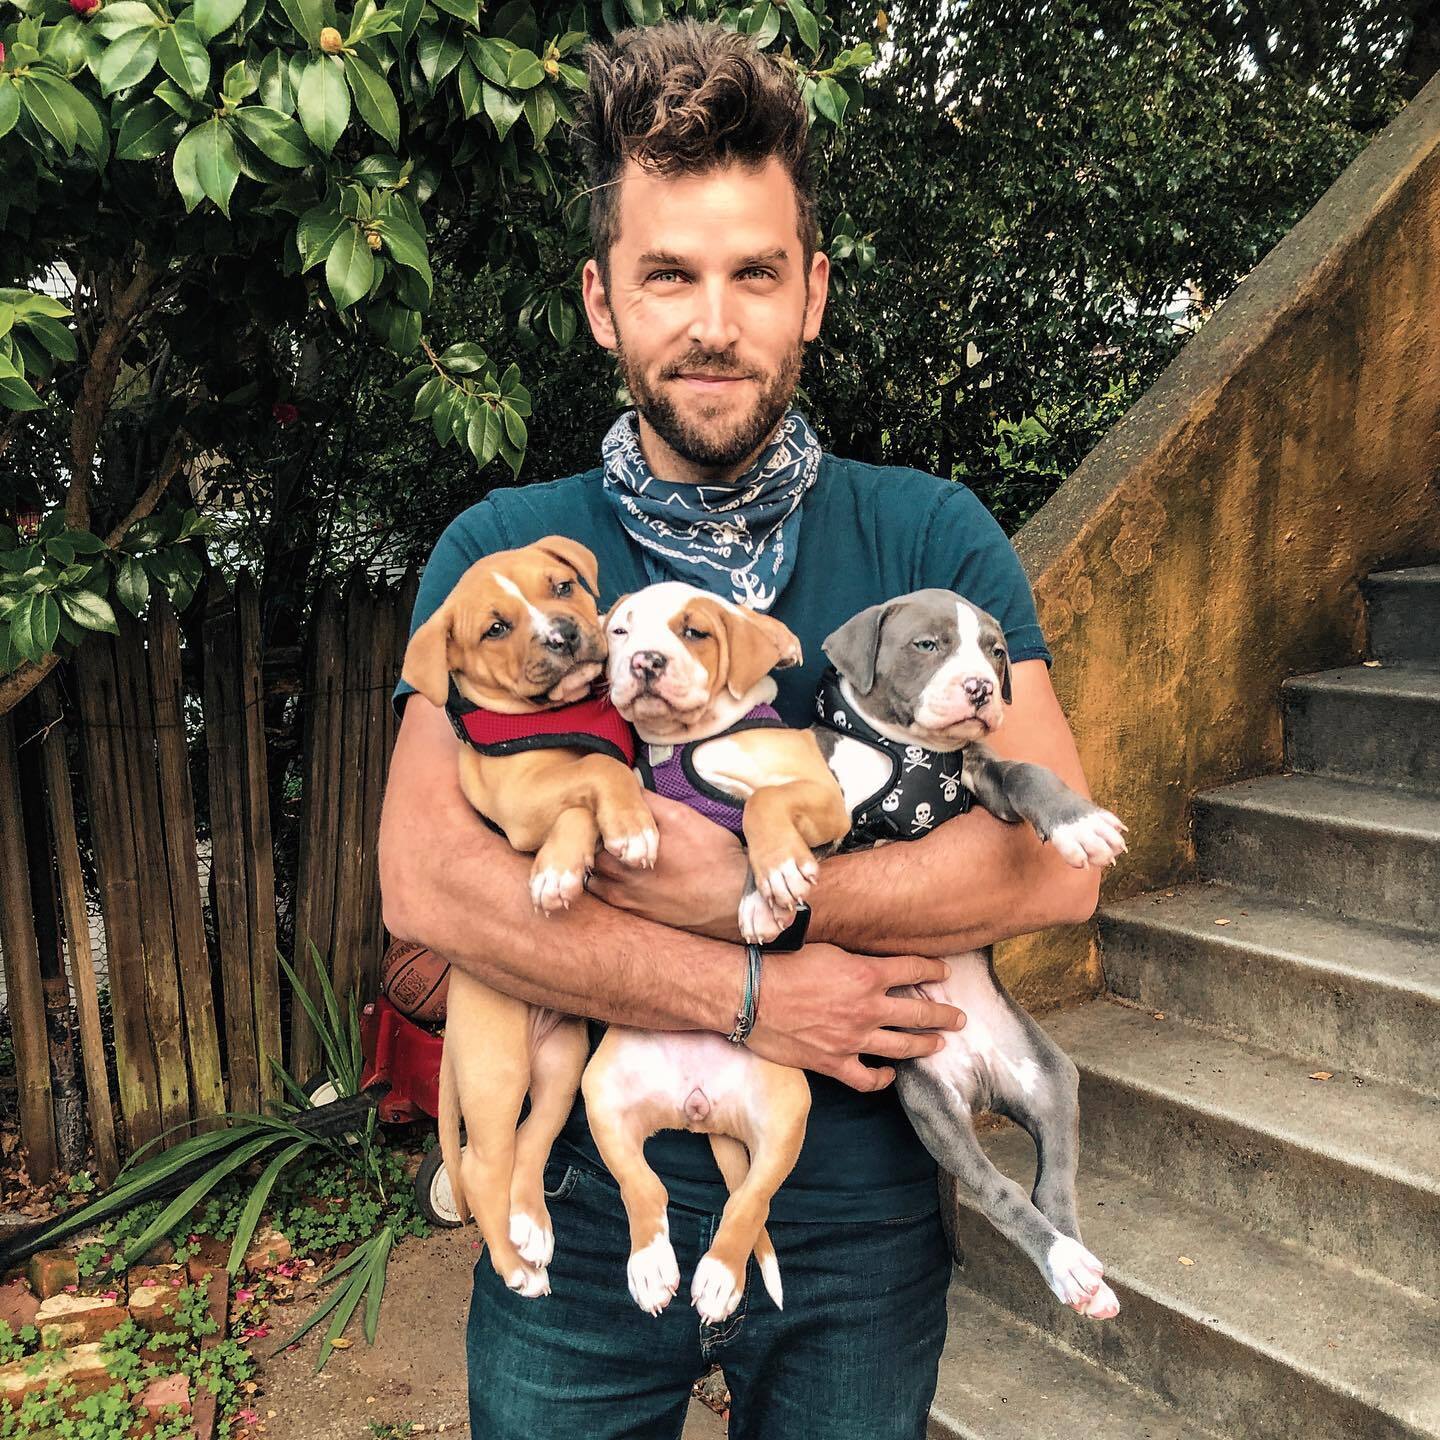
968	552
471	536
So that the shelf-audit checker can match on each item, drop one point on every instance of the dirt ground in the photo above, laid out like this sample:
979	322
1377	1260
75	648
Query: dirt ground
415	1372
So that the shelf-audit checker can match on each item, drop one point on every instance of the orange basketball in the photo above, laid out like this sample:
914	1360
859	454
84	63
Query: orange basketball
415	981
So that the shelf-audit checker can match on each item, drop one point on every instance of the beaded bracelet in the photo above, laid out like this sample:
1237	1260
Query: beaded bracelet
745	1020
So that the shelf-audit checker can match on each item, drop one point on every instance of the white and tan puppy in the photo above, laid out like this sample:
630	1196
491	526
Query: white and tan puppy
692	673
512	656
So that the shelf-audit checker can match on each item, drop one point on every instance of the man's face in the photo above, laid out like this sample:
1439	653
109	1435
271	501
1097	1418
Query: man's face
708	312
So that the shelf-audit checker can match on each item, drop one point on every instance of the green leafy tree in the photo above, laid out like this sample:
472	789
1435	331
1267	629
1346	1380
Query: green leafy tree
234	193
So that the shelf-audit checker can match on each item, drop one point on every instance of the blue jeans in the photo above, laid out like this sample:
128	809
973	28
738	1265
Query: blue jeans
853	1356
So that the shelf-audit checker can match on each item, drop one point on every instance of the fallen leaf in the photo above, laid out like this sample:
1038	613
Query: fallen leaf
1371	664
1222	922
343	1344
1159	1015
1186	1260
1322	1075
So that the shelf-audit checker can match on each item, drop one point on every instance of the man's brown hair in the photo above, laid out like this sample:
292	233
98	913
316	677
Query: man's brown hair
682	98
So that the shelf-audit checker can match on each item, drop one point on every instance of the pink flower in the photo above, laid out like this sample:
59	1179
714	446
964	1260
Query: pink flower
71	1289
244	1296
2	54
84	7
255	1332
247	1416
282	411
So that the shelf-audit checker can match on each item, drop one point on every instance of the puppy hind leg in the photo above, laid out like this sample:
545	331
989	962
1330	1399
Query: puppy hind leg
734	1162
447	1123
555	1069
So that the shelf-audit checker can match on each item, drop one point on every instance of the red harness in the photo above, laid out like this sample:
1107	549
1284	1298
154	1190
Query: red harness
593	725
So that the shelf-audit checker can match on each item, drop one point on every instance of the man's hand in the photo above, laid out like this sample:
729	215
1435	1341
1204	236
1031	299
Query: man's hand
821	1008
696	884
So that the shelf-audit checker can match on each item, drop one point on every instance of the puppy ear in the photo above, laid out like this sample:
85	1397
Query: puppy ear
576	556
1005	674
427	662
854	648
758	645
611	611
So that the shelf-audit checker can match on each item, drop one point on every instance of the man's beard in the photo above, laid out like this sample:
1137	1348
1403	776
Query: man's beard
735	440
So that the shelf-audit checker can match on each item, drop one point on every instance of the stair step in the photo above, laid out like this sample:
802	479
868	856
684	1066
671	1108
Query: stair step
1404	611
1001	1379
1376	724
1256	1339
1349	995
1356	850
1345	1166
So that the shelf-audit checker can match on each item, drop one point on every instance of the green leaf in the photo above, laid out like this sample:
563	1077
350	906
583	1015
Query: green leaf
830	100
561	319
179	102
239	83
307	16
465	10
806	24
514	427
540	112
122	16
213	16
206	165
148	130
491	58
483	435
407	248
49	114
464	358
374	99
468	78
132	585
502	108
128	60
274	135
250	1215
9	105
439	53
184	57
91	134
88	610
376	1288
396	325
324	102
276	91
349	267
59	341
16	394
315	232
524	70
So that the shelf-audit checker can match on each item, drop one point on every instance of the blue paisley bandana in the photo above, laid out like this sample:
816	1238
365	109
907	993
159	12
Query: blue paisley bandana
739	539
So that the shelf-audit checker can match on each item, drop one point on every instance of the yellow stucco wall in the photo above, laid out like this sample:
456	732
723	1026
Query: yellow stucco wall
1213	543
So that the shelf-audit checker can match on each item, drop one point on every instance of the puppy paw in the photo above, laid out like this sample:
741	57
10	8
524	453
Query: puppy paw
715	1292
653	1275
635	842
1103	1304
533	1239
529	1281
553	889
786	880
759	924
1074	1274
1094	839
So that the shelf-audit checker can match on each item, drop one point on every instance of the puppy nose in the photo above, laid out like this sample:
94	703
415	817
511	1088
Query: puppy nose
564	635
647	662
979	690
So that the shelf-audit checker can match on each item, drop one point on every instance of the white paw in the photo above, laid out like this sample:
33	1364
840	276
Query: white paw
535	1242
759	923
654	1275
529	1281
552	890
1103	1304
1073	1273
1094	839
714	1291
637	850
788	884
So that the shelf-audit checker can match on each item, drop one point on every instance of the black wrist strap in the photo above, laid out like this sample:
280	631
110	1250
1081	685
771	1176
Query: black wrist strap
792	937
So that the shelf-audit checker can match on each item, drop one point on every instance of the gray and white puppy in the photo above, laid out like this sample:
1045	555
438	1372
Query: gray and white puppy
919	682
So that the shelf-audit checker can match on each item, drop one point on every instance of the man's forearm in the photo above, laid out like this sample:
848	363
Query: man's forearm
451	884
969	883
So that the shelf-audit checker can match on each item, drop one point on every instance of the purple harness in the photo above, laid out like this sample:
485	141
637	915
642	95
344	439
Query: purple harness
677	778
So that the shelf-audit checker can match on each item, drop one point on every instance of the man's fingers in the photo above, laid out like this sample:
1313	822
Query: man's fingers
901	1044
859	1076
911	970
913	1013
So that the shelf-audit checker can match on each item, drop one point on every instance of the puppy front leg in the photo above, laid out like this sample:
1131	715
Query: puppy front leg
783	824
1014	790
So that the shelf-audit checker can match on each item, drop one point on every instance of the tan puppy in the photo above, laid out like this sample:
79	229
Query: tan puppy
516	648
692	673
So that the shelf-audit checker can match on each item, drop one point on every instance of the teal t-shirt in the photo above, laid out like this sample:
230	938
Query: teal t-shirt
868	533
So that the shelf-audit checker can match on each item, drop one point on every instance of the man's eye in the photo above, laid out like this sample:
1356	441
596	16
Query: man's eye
499	628
926	645
563	588
691	633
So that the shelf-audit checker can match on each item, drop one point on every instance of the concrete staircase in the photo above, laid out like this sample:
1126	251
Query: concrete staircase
1260	1102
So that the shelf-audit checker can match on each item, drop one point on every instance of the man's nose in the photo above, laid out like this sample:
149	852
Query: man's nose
713	325
979	690
647	662
564	636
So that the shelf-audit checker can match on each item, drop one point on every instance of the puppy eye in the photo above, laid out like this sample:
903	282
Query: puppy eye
499	628
928	646
691	633
563	588
999	652
618	630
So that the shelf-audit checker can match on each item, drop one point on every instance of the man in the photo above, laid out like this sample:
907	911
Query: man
706	283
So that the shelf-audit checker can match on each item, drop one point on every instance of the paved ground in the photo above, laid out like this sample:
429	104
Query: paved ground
415	1372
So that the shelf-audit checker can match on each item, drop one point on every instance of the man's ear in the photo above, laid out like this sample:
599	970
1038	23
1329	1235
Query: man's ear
427	661
758	645
854	648
576	556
